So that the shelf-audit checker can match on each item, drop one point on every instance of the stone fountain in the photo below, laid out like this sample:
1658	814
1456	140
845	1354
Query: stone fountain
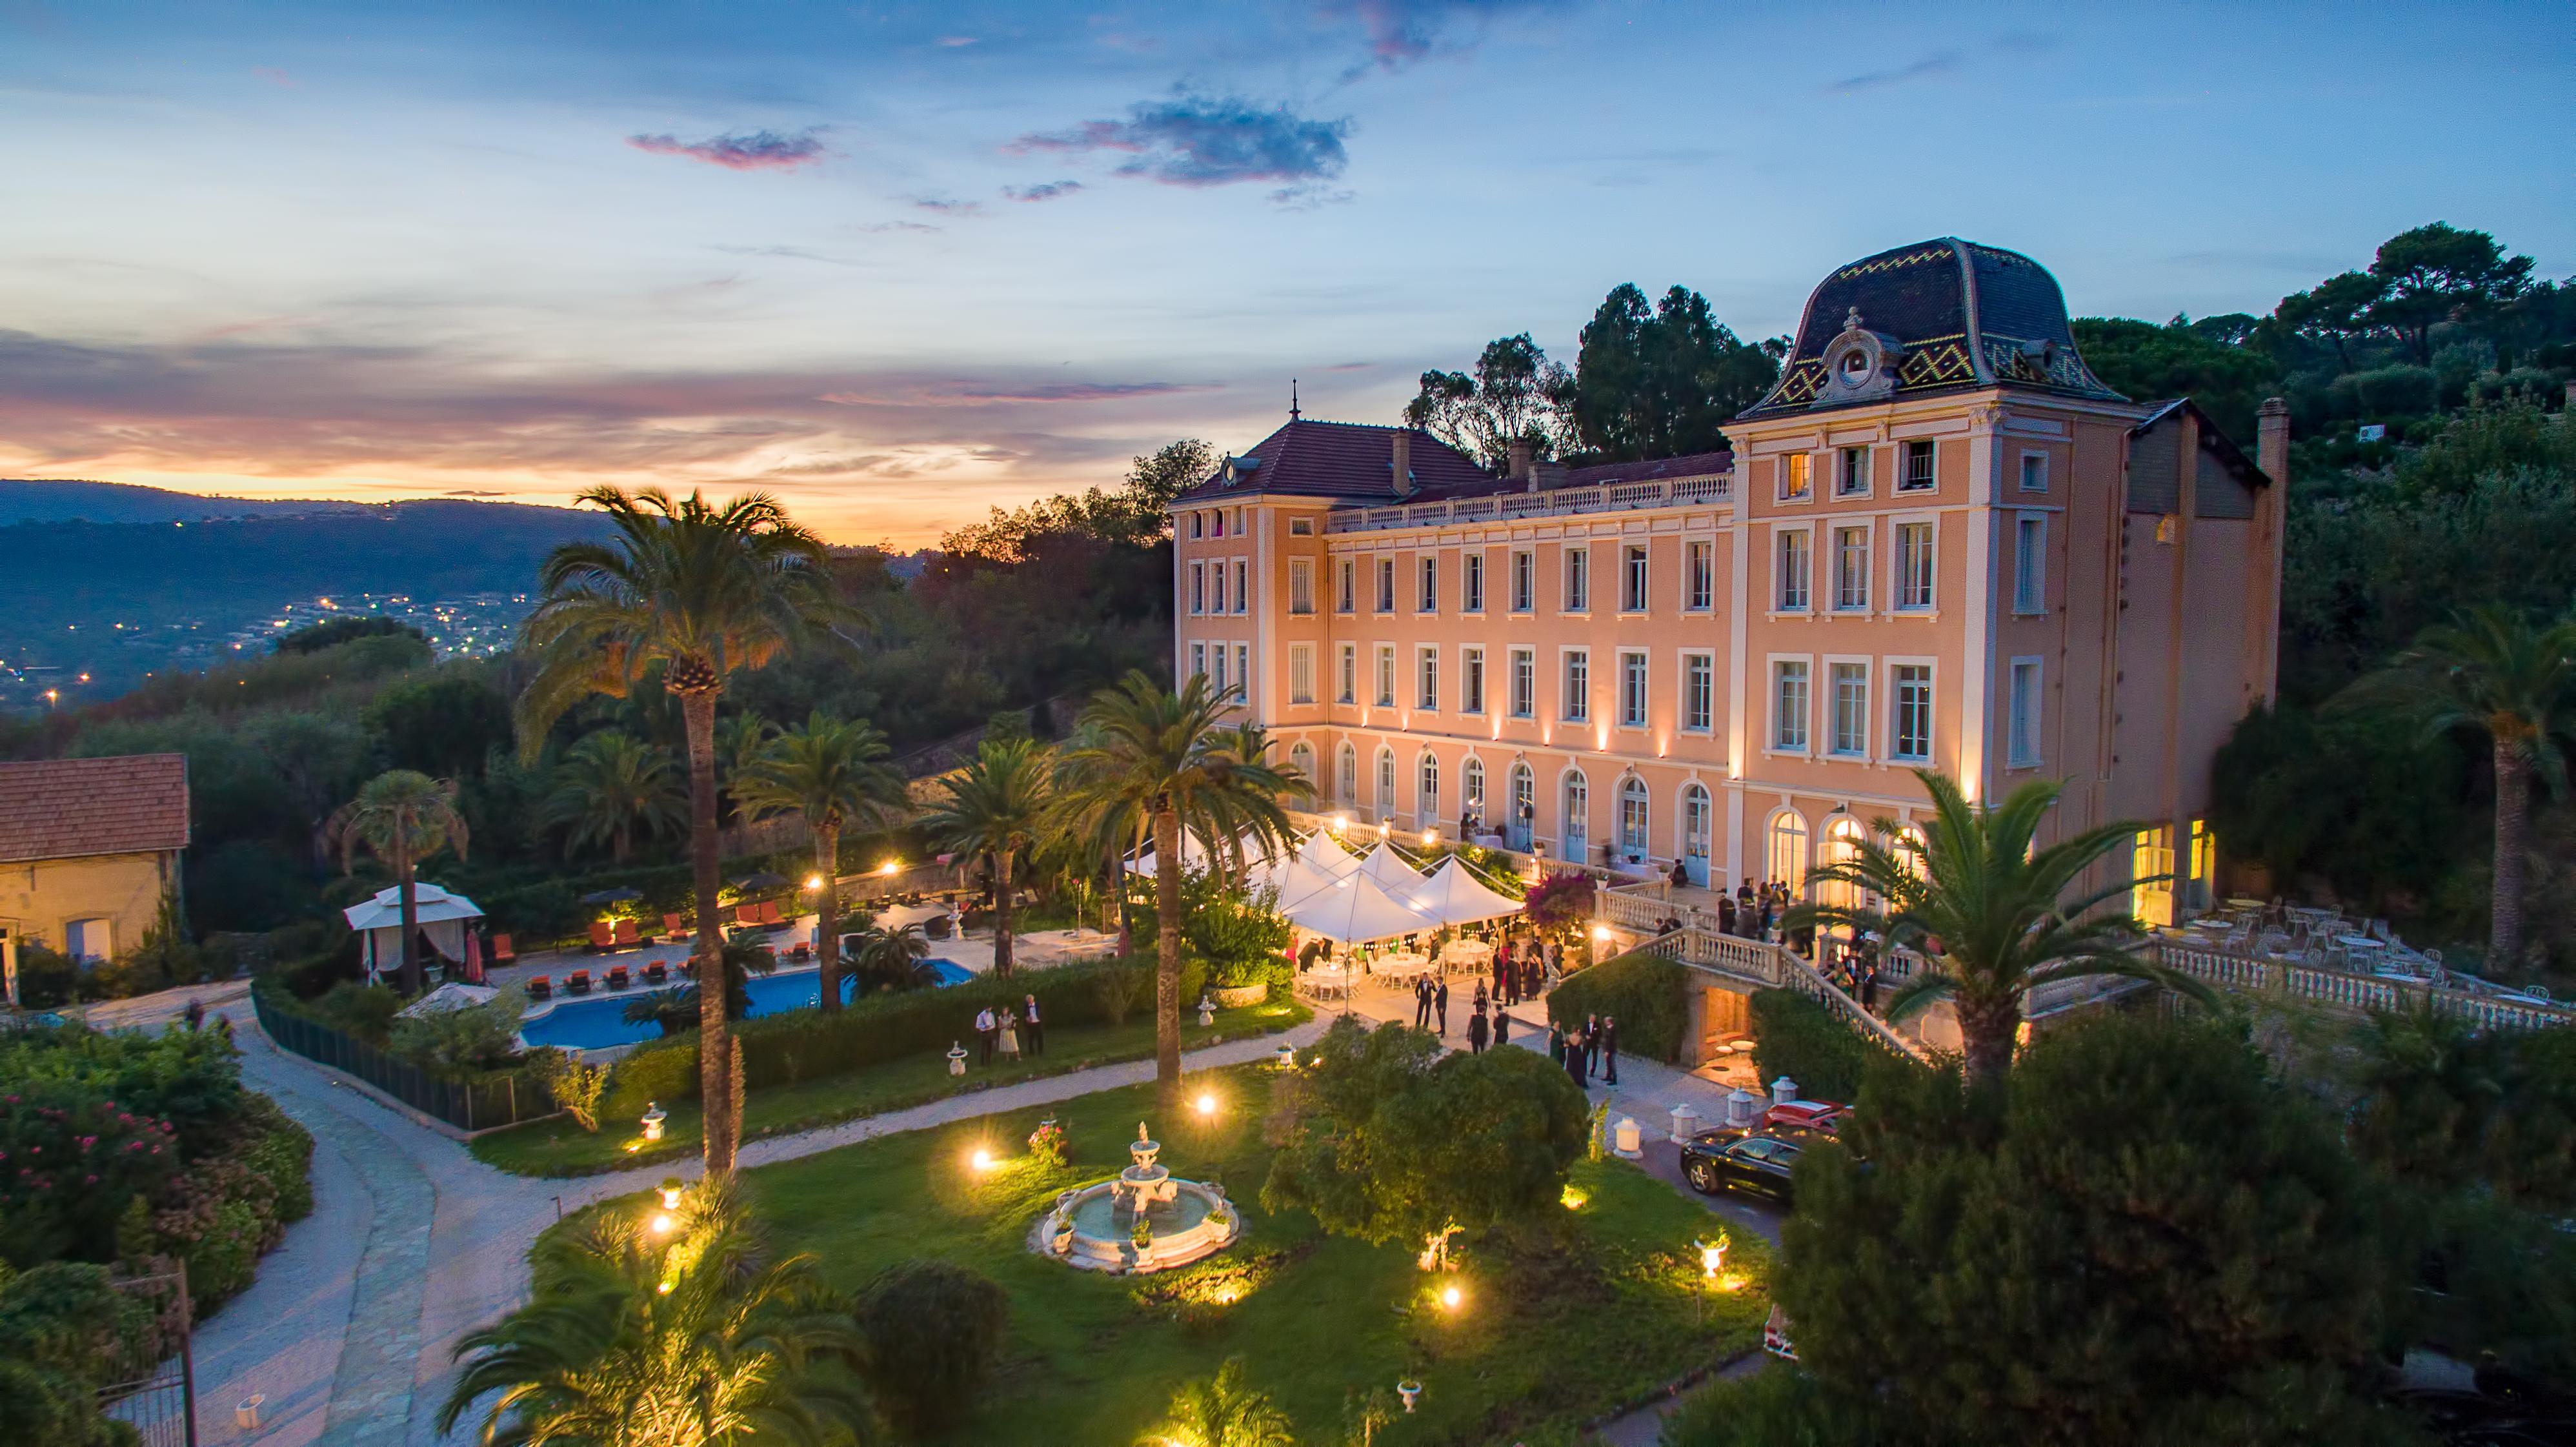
1143	1219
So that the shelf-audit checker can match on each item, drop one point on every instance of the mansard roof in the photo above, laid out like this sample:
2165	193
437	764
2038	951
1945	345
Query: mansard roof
1345	461
1939	315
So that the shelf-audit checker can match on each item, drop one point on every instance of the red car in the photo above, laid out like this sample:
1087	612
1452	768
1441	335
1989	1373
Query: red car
1806	1118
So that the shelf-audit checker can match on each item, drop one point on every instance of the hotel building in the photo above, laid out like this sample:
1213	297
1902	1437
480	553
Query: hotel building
1940	542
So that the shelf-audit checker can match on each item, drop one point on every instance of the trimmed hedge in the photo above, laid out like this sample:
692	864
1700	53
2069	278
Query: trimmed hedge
810	1045
1647	993
1796	1037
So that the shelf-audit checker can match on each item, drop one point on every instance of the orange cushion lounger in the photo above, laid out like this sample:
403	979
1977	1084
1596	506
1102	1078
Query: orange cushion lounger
602	935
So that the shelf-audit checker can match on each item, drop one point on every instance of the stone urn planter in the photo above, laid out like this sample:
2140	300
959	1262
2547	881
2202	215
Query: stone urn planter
1242	995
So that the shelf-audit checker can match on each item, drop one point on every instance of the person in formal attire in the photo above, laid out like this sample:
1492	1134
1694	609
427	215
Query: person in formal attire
1440	1005
1010	1038
1869	988
1502	964
1610	1049
1680	875
1036	1027
1555	964
1421	1002
1502	1027
1574	1046
1726	914
985	1027
1556	1043
1476	1028
1591	1045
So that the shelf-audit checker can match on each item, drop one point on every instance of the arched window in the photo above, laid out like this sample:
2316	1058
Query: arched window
1912	857
1426	802
1301	759
1697	818
1349	782
1385	782
1577	809
1786	858
1842	834
1471	788
1632	817
1524	806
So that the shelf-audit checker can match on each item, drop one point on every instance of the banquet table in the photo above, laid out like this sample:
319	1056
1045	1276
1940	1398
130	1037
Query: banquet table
1325	980
1400	967
1467	955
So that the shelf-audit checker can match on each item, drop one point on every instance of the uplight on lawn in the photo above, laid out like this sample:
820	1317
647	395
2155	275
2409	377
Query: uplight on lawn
663	1221
1452	1298
983	1161
1206	1106
1574	1197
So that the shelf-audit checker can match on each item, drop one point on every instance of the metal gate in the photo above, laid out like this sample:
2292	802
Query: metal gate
162	1406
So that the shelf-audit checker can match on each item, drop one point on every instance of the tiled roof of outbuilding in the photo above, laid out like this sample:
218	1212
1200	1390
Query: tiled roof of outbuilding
73	808
1344	460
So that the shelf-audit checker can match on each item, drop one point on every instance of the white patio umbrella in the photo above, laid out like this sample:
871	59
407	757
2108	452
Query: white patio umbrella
1354	910
1454	895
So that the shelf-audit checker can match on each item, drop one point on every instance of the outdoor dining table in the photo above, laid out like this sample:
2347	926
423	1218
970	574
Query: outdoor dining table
1324	980
1400	967
1467	955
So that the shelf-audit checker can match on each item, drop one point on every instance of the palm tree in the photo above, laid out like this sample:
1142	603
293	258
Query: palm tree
664	1333
832	772
1989	910
741	740
612	788
1164	761
700	590
402	817
1223	1413
997	806
891	957
2493	671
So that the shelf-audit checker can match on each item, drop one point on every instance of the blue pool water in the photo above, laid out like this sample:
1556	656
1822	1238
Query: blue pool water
593	1022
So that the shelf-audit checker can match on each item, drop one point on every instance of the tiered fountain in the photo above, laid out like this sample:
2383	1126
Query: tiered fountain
1096	1227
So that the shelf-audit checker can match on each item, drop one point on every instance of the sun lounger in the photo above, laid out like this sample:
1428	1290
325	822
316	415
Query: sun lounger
541	988
617	978
627	938
603	936
578	982
673	929
656	973
502	954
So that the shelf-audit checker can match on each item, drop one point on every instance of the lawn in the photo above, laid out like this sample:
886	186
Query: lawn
557	1147
1589	1312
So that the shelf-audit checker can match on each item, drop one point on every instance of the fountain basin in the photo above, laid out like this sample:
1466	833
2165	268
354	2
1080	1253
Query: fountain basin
1090	1230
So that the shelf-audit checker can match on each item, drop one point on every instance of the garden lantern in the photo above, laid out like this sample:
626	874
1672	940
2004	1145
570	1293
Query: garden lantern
956	1058
670	1190
654	1115
1410	1390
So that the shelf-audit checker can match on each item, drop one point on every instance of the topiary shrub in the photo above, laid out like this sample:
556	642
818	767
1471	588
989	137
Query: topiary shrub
1648	995
934	1331
1796	1037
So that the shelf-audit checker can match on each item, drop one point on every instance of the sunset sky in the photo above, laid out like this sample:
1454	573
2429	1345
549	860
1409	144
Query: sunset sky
900	263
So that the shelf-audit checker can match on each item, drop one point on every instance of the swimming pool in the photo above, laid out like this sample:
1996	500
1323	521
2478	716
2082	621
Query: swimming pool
595	1022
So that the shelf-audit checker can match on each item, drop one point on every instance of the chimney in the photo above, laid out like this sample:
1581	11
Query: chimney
2272	441
1544	475
1402	463
1520	454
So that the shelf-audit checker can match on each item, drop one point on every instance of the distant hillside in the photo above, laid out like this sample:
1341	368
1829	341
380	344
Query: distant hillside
43	500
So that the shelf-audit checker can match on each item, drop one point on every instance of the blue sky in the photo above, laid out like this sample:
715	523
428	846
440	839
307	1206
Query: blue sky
900	263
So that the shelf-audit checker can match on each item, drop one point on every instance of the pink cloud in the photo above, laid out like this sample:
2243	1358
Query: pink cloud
741	151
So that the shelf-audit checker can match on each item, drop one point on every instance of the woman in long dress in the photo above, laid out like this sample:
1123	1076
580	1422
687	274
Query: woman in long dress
1010	1035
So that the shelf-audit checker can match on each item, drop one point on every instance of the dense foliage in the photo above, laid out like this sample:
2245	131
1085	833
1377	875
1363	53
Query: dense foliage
1647	994
934	1331
1797	1037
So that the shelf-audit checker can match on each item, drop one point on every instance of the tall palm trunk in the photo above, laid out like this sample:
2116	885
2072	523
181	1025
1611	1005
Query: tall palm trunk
2512	828
827	911
1167	957
1989	1031
1002	913
412	978
716	1075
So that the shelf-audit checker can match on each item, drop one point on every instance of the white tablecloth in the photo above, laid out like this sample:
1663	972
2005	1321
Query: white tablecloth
1467	955
1325	980
1400	967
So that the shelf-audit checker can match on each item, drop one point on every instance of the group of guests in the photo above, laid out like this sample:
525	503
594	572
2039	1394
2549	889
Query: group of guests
1489	1022
1591	1048
1005	1033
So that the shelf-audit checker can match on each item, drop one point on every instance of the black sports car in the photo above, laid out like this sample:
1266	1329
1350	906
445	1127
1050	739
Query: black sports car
1759	1164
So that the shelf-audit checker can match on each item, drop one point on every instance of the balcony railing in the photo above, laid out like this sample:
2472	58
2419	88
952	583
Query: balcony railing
1605	497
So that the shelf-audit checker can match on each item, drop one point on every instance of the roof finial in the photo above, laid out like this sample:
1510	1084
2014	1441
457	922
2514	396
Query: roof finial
1292	399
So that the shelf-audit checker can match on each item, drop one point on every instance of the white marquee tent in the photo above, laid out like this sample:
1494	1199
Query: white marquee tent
1354	910
1453	895
446	920
1320	852
1390	871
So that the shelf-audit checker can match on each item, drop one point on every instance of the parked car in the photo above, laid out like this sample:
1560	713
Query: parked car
1800	1118
1757	1164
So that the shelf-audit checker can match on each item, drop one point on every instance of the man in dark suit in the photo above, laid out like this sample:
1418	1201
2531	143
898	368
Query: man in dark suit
1610	1049
1421	1002
1440	1004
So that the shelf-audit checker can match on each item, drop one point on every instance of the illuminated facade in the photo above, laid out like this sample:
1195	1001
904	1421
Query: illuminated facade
1940	542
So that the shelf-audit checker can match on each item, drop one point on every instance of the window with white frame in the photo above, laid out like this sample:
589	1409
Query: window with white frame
1632	579
2030	563
1216	522
1198	587
1385	780
1578	685
1216	672
1699	577
1578	812
2034	472
1911	683
1913	565
1347	768
1921	466
90	942
1386	675
1243	673
1471	583
1426	799
1471	680
1426	673
1853	478
1524	581
2023	714
1301	585
1349	692
1428	599
1386	585
1791	573
1632	689
1786	851
1789	706
1242	586
1524	683
1524	802
1471	788
1345	594
1198	525
1301	527
1216	587
1633	814
1797	477
1851	570
1198	660
1578	578
1850	736
1301	673
1301	762
1699	693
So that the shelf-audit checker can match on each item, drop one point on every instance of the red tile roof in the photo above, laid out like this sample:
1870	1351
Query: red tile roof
1654	469
1347	460
68	808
